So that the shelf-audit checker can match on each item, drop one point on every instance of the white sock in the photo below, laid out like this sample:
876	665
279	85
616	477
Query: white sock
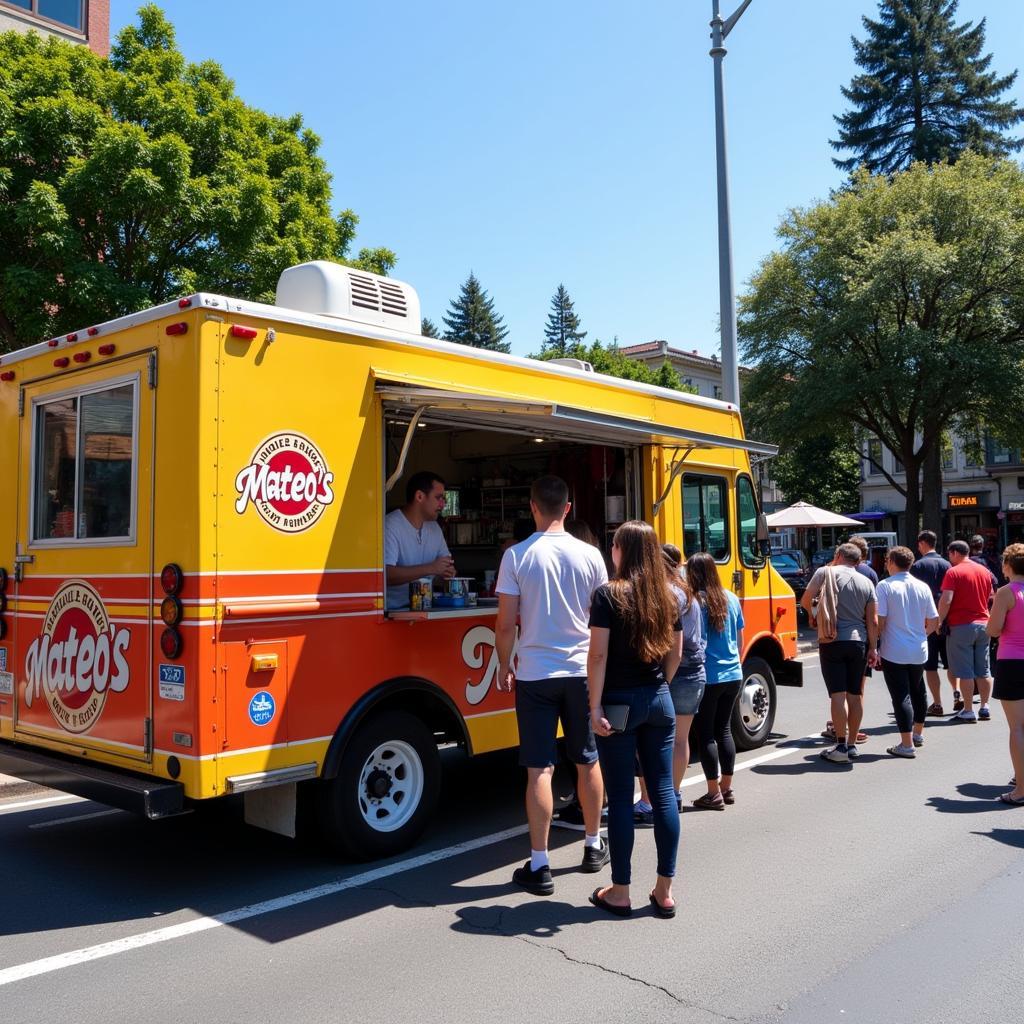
538	859
592	842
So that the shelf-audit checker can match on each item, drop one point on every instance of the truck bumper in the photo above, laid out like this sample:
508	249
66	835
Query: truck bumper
791	673
153	798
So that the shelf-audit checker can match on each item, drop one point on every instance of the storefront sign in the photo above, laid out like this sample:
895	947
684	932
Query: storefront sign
1015	506
964	501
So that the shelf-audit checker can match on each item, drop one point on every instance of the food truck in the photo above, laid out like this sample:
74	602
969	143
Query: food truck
192	589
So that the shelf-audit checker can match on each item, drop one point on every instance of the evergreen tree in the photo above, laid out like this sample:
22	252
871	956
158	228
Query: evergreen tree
563	328
925	92
471	319
429	329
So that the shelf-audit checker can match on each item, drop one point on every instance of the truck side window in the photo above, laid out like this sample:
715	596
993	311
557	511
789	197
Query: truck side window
746	523
705	516
85	452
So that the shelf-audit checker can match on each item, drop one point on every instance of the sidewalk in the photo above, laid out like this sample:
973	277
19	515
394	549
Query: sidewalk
10	787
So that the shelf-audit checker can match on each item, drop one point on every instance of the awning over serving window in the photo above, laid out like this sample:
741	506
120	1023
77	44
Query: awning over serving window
549	419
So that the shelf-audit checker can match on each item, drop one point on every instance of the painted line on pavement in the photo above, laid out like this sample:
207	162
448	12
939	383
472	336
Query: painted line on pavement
77	817
87	954
45	801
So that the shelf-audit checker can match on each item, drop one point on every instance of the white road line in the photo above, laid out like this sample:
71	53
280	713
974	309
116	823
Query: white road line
104	949
22	805
76	817
772	755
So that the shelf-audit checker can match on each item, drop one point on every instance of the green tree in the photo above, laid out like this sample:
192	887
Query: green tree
610	360
563	326
896	307
429	329
472	320
925	92
127	181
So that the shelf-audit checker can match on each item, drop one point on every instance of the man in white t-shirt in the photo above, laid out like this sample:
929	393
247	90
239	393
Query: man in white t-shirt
547	581
906	616
414	545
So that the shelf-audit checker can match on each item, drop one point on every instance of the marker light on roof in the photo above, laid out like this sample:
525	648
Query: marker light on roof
72	337
184	303
93	331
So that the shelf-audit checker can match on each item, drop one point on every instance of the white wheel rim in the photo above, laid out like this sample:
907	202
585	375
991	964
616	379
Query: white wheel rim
755	703
390	786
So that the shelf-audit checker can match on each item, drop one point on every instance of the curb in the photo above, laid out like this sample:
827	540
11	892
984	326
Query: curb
12	787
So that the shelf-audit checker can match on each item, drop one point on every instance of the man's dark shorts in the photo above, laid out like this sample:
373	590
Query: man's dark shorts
842	664
540	703
936	652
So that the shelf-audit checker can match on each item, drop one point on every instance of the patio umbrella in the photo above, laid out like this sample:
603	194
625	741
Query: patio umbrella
809	516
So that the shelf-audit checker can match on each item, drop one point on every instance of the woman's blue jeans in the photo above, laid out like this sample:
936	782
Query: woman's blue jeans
649	734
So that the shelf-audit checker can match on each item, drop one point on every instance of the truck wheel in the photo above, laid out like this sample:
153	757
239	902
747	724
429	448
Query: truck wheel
754	713
385	791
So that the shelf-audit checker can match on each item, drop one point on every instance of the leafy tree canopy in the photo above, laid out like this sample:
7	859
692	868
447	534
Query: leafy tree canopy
926	91
897	307
472	320
124	182
610	360
563	327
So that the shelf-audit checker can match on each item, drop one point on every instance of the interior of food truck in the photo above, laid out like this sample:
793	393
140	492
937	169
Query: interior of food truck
487	473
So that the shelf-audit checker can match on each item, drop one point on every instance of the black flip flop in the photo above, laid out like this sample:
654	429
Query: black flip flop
1007	799
602	904
660	909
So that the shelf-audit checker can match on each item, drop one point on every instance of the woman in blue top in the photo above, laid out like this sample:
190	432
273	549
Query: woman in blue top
723	632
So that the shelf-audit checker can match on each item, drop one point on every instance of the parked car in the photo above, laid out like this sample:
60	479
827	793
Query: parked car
797	555
790	569
822	557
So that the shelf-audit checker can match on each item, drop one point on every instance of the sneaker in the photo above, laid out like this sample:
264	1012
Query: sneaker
918	740
538	882
571	814
594	858
958	701
901	751
837	754
851	750
984	715
643	817
967	715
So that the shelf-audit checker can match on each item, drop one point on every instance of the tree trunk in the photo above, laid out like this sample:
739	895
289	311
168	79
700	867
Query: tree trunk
913	523
931	488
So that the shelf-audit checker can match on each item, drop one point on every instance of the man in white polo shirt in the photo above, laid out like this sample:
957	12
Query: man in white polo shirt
906	616
547	581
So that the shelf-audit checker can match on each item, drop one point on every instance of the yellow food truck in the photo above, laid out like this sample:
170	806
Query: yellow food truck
192	583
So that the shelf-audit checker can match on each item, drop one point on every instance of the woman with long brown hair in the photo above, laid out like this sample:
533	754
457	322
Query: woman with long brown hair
635	648
723	632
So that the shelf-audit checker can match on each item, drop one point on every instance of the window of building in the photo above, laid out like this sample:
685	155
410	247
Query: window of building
70	13
948	457
718	391
746	523
874	456
998	454
85	466
705	516
897	466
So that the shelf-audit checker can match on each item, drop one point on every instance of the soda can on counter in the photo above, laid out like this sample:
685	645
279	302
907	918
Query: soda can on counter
420	594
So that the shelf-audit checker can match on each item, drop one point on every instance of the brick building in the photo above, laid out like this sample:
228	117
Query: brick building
77	21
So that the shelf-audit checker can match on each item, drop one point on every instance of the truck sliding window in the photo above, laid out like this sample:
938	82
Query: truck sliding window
706	516
746	525
84	466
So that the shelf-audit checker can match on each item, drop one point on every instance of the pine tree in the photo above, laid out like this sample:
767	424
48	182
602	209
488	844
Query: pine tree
926	92
563	328
429	329
472	320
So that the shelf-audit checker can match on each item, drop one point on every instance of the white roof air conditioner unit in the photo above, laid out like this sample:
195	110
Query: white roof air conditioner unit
330	289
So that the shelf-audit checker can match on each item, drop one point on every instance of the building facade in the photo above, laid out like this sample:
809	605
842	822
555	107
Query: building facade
77	21
979	496
705	374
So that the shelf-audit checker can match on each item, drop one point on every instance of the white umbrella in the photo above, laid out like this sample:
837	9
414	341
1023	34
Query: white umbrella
810	516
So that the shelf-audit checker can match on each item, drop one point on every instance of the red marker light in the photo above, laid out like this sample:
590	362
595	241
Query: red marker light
82	357
170	643
93	331
238	331
171	578
175	329
72	337
61	362
184	303
53	342
7	375
106	350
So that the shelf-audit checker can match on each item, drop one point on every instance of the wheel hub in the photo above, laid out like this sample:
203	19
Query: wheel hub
378	784
754	703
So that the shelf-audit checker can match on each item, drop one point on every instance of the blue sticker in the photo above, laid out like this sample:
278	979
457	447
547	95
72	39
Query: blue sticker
262	708
172	682
3	659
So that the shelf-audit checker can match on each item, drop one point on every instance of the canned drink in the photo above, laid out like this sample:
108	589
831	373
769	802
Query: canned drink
414	598
420	593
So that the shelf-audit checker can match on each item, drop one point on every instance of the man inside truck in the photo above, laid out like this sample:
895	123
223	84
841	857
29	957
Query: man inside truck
414	545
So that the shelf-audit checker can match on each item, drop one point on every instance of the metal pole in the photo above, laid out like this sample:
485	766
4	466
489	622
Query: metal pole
726	287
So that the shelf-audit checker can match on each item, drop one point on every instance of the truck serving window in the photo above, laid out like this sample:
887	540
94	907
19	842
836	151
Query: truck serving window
85	459
705	516
746	516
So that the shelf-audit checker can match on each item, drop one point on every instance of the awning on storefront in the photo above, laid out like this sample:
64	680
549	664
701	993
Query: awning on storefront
867	517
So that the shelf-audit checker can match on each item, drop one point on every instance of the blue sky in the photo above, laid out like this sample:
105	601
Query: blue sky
567	141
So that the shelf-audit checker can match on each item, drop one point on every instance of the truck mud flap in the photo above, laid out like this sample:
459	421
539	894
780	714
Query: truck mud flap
153	798
790	674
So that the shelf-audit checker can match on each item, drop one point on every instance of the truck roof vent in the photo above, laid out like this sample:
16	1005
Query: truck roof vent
576	364
330	289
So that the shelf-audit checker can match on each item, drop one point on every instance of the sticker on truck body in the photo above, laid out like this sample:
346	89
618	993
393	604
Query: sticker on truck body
172	682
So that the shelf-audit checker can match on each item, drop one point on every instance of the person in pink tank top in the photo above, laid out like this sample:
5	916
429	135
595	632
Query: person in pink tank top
1007	623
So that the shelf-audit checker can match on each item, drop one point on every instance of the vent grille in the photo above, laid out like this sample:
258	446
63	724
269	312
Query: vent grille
379	296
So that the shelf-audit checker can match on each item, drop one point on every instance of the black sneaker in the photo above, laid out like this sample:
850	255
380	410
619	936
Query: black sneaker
594	858
642	818
538	882
571	814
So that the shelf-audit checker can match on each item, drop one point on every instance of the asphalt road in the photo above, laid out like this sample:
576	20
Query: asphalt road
884	891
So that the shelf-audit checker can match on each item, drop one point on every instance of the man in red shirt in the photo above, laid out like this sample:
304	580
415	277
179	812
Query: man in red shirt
966	596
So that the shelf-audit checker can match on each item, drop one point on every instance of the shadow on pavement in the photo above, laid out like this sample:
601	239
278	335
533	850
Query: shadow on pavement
1007	836
540	919
814	764
980	799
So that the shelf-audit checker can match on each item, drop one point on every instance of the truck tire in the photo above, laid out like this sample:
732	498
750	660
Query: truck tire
754	713
385	791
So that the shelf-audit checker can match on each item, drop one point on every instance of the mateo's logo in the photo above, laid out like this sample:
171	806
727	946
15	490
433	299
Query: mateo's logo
479	651
288	481
77	659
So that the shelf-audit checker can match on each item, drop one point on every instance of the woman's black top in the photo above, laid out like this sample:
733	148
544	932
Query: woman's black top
625	668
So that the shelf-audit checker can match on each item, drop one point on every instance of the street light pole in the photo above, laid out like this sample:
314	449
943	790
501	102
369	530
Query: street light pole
726	288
